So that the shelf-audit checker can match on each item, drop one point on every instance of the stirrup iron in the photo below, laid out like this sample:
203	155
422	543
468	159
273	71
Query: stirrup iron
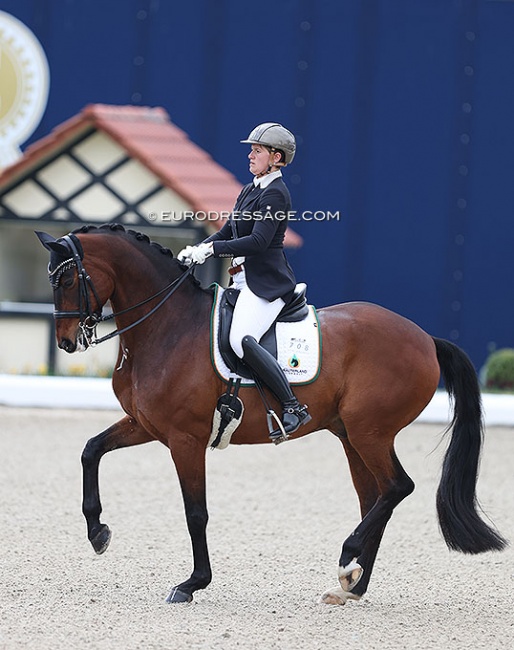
277	433
286	429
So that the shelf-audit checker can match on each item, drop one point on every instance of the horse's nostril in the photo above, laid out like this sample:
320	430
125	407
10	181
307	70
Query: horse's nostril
67	345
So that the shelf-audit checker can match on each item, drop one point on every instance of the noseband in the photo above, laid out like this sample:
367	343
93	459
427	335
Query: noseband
89	318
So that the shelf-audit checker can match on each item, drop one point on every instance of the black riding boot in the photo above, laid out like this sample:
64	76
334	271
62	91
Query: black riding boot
268	370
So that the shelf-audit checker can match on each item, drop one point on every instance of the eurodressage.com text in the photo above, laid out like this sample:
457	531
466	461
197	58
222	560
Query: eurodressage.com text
201	215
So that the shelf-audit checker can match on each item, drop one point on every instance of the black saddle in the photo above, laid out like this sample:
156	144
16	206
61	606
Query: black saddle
295	310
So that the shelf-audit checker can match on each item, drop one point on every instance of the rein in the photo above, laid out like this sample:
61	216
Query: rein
89	319
172	286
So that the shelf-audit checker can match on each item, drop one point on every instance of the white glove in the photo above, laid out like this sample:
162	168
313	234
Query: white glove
184	257
201	252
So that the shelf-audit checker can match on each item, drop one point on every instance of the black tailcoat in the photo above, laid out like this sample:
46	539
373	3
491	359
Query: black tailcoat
256	230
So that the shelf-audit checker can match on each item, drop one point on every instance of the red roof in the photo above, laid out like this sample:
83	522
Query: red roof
149	136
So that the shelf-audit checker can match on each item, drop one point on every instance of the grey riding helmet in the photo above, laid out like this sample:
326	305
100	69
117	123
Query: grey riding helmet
276	136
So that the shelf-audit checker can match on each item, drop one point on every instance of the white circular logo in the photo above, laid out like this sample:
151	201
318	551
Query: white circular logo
24	84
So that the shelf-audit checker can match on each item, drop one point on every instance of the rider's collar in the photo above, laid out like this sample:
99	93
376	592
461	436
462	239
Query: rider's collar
265	180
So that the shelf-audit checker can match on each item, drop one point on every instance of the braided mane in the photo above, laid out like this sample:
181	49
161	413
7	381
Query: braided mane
139	236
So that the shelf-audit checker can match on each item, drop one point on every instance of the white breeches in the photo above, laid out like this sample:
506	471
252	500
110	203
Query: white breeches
253	316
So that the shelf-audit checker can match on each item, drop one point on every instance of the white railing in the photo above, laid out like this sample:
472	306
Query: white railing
28	345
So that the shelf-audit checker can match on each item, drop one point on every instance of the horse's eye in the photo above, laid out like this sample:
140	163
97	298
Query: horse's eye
67	283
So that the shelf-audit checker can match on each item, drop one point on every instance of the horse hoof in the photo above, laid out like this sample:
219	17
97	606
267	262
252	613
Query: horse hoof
334	597
337	596
350	575
101	540
177	596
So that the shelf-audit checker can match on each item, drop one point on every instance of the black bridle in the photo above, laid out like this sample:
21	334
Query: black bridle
90	318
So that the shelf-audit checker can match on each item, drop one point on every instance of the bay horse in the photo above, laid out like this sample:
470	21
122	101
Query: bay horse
378	372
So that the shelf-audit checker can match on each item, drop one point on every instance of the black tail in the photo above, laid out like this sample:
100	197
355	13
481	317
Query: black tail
457	506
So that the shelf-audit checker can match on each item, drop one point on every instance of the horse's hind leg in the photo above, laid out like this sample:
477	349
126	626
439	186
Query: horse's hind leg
367	492
381	483
125	433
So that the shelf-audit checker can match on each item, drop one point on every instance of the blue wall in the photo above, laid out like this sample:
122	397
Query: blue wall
403	111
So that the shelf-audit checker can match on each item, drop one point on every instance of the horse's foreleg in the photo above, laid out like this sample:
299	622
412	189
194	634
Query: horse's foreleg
125	433
189	457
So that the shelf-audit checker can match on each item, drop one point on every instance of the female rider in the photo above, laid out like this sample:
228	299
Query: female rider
253	236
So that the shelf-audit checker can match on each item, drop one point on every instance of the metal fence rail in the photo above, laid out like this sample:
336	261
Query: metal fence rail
34	311
28	344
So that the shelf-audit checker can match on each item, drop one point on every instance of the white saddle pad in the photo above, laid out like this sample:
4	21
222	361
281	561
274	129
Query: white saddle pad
298	347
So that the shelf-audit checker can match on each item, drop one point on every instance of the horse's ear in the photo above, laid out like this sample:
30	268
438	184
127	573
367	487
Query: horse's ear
51	244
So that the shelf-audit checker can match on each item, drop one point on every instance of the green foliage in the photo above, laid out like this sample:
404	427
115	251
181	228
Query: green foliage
499	370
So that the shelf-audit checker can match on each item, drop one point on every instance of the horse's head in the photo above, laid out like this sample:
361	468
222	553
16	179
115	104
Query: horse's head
78	300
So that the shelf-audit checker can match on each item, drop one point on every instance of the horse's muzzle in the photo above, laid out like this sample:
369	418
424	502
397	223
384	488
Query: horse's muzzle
67	345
